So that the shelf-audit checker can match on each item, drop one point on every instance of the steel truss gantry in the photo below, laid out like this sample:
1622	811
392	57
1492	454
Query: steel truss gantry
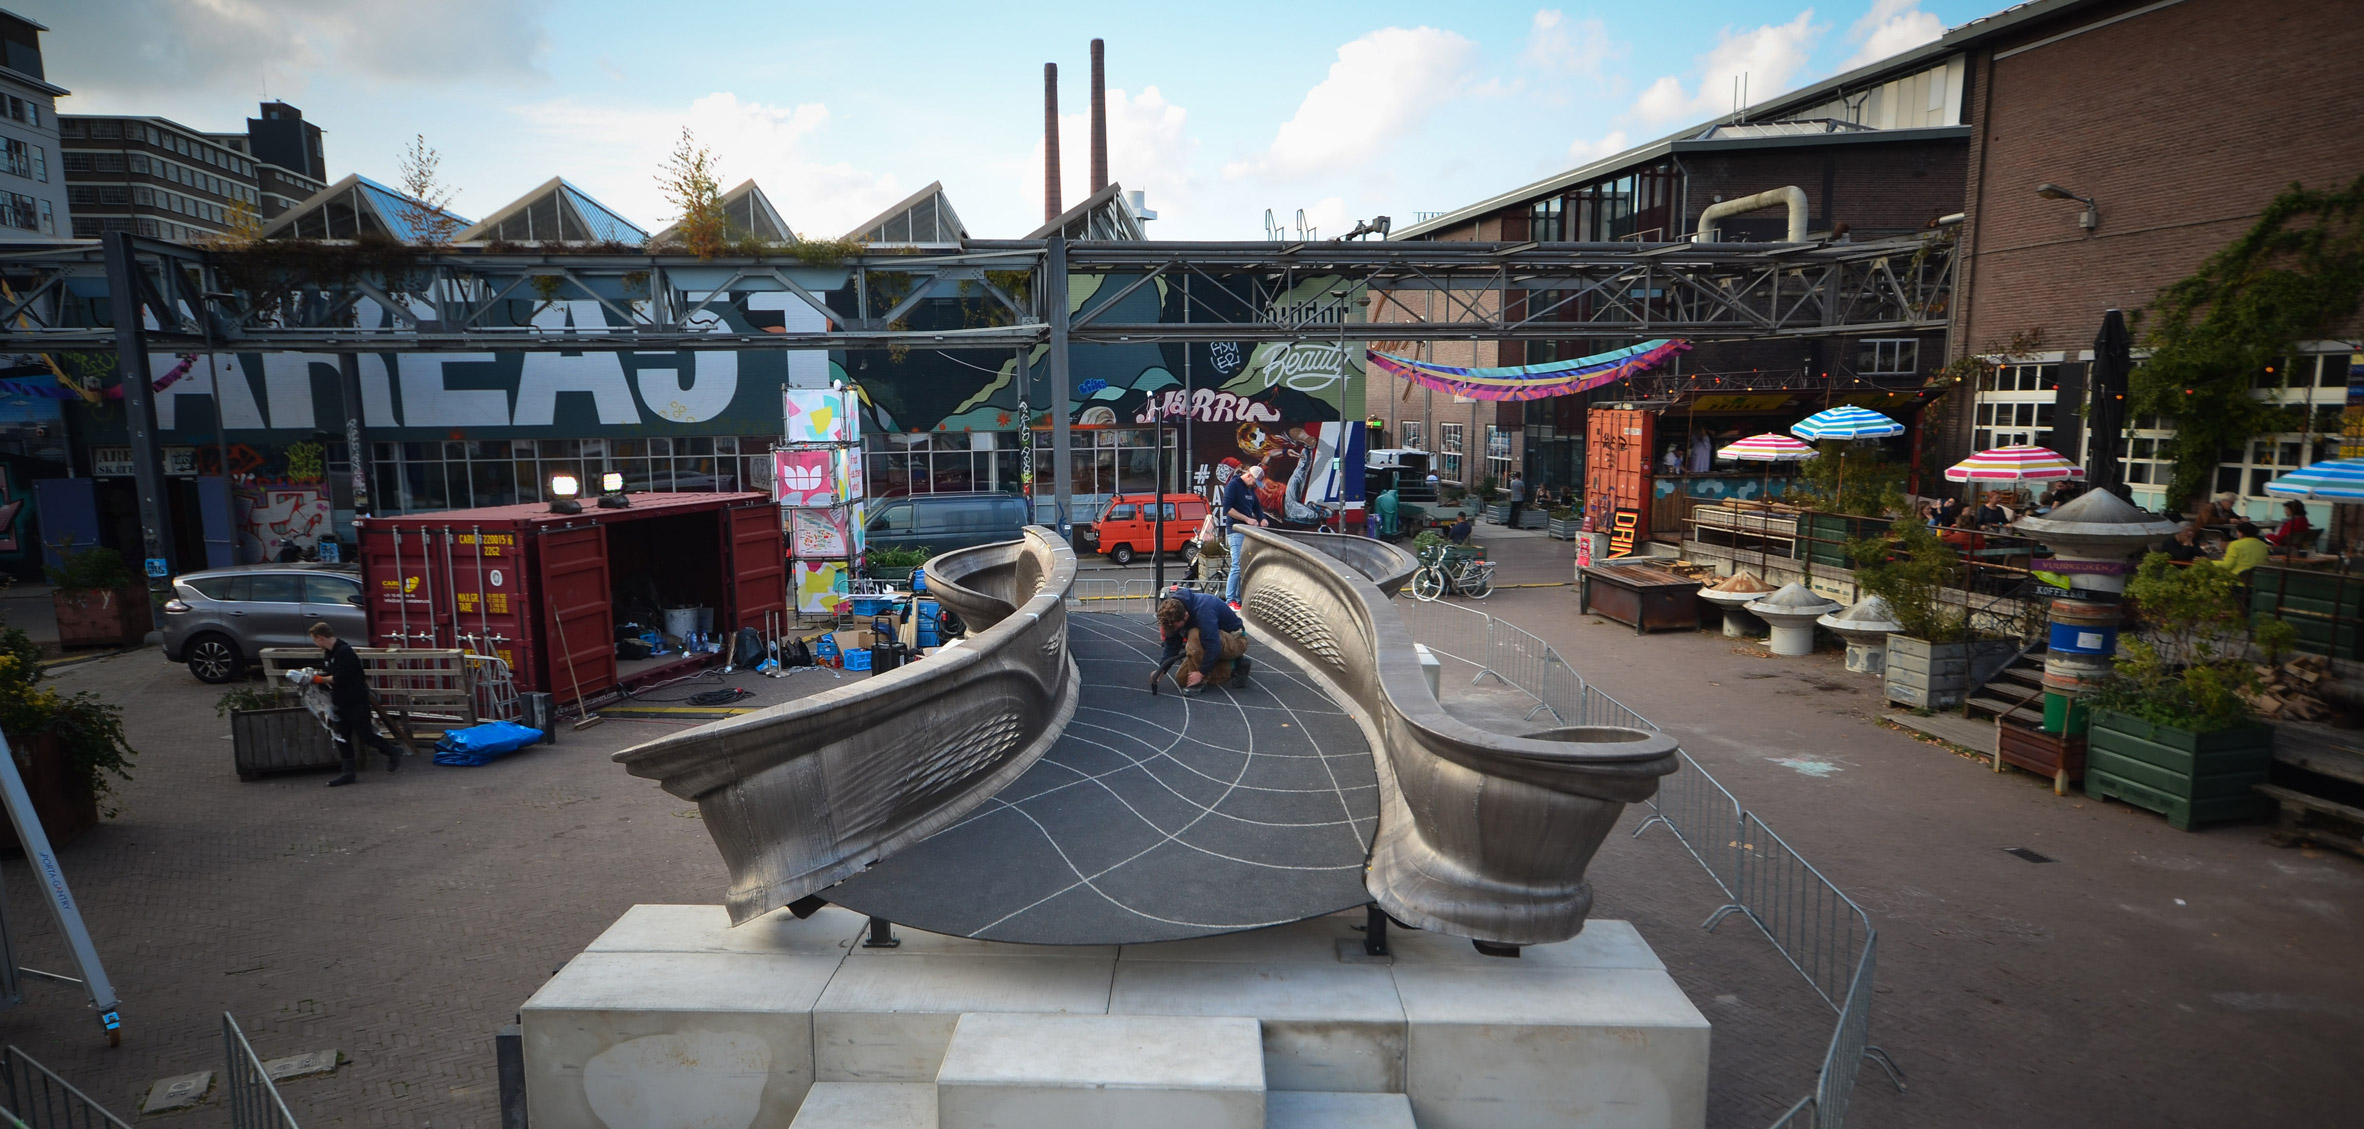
331	298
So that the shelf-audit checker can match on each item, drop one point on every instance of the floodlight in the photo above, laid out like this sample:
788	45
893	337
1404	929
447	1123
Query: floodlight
564	487
612	482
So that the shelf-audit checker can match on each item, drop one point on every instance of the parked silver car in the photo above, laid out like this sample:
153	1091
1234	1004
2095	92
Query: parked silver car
219	620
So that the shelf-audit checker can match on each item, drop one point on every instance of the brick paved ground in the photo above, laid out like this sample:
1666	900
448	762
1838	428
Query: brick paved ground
404	920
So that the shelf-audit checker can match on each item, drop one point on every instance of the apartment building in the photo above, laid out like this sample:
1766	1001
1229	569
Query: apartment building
32	191
158	178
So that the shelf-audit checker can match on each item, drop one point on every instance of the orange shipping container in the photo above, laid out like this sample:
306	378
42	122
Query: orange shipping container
1617	480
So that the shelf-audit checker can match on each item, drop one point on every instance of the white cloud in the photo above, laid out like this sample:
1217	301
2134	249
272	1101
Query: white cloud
1557	43
1585	152
1150	149
614	153
1891	27
1383	86
1769	57
118	55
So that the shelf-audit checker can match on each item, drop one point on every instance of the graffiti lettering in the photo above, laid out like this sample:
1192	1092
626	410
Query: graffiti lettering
1207	405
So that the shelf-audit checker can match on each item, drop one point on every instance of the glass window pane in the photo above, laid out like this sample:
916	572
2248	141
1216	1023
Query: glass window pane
275	588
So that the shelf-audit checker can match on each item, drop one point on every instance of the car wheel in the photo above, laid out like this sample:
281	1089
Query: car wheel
1122	554
215	659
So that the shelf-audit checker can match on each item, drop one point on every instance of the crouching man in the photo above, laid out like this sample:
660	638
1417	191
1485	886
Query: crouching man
1201	632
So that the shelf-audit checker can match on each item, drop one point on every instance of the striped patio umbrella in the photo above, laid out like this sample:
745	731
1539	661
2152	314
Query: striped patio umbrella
2335	480
2014	464
1845	423
1767	448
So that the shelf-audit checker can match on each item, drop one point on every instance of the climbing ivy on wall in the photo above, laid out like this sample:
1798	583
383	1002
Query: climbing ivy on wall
2297	275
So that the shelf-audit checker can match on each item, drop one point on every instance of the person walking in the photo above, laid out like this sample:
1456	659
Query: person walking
1518	496
348	692
1240	510
1206	636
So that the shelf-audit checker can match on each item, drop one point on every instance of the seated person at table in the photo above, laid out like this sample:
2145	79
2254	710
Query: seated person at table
1949	512
2295	533
1964	534
2246	552
1993	512
2184	547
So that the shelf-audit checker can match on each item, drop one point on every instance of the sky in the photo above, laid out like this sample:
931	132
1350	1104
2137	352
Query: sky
1218	110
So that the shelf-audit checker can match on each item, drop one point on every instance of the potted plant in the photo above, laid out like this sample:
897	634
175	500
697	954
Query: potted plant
69	749
99	603
2173	729
896	564
1932	663
1565	524
268	734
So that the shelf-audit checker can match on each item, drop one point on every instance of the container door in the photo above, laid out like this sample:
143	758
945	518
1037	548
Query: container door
491	596
578	623
758	563
399	581
1617	476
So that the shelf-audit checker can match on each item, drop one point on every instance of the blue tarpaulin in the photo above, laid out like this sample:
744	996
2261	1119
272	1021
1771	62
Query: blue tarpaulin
478	744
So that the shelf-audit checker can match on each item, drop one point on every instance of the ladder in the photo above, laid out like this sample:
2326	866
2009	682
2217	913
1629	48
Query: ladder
61	906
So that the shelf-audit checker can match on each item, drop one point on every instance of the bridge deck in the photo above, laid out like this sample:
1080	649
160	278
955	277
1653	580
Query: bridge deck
1153	818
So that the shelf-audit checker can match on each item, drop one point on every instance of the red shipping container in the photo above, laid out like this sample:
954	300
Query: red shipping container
1617	478
516	581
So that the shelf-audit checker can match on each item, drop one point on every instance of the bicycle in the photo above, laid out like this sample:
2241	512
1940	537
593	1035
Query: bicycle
1452	570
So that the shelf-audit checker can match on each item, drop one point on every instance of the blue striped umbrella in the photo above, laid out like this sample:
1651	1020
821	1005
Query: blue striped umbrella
2338	480
1846	423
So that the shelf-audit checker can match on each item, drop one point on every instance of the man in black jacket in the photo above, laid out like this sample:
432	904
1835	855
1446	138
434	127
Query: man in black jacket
348	691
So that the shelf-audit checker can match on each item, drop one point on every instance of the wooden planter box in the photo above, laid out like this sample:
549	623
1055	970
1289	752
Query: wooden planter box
1936	676
101	617
2191	778
2046	754
287	739
1564	530
62	797
1532	518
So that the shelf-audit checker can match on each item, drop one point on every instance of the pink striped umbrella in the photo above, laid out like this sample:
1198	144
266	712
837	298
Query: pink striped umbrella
2018	463
1767	448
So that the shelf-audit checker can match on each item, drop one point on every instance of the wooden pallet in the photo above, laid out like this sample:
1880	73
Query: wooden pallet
2313	819
426	690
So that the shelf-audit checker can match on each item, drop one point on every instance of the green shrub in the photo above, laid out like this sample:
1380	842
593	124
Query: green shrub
89	728
2185	663
1912	574
900	558
97	567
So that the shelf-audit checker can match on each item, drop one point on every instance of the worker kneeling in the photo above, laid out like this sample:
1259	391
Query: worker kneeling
1208	639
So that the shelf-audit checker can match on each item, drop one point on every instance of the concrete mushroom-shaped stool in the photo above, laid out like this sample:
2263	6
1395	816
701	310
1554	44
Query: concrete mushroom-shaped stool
1791	612
2099	531
1866	628
1738	624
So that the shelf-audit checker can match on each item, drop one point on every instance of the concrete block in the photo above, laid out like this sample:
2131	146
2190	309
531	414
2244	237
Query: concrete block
920	942
889	1020
1432	670
1305	1109
1005	1071
1511	1046
708	929
649	1040
1326	1026
868	1105
301	1066
181	1091
1603	944
1301	942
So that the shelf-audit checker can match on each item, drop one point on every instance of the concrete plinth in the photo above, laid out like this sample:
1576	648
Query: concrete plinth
1301	1109
671	1018
1089	1071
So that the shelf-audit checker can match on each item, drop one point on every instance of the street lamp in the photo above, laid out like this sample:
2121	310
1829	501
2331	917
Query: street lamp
2092	217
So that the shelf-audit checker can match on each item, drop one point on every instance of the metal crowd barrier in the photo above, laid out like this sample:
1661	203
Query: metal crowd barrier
1817	928
1517	659
253	1099
36	1098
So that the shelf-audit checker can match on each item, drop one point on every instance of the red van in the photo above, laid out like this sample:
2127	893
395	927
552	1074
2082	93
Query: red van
1128	525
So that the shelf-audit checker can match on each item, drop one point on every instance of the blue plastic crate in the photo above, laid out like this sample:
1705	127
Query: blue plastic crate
857	659
872	605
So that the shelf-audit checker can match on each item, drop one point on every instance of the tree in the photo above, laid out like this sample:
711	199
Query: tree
692	181
2297	275
427	203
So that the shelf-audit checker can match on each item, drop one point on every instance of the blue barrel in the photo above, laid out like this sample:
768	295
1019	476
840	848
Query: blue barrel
2084	639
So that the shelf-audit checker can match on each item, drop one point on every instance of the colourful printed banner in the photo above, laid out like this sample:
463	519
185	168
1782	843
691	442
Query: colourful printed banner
817	415
1532	382
814	534
805	478
52	391
820	586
